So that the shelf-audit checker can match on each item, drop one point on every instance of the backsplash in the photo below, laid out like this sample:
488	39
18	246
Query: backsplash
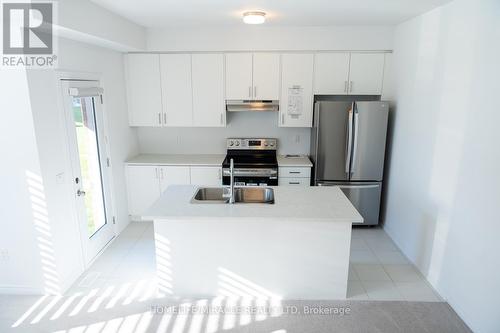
212	140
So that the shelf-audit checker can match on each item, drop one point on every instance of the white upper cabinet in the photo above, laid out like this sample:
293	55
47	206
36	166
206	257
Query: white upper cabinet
296	103
348	73
266	76
331	73
252	76
366	73
208	90
176	89
239	76
143	89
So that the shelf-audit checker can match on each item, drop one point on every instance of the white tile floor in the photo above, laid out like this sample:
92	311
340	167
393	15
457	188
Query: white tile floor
378	271
119	291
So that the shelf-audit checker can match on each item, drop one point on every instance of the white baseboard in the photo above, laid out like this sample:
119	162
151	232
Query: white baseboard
20	290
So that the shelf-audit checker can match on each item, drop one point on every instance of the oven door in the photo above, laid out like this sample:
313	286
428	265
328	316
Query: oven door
251	177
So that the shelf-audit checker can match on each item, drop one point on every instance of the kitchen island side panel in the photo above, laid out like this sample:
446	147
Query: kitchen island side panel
260	258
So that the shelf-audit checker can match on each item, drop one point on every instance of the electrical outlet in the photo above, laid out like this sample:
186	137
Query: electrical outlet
4	255
60	178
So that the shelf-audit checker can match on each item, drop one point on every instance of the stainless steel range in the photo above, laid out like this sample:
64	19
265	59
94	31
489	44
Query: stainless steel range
255	162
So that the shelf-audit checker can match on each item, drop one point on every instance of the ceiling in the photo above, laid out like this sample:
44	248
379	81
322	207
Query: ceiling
202	13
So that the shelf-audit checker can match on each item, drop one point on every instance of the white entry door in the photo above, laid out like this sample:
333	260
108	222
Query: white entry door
87	142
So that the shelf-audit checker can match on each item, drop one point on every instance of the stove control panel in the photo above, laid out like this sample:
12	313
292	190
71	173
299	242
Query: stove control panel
253	144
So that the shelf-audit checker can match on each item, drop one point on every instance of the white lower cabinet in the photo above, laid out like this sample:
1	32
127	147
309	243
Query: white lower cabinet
143	187
145	183
294	182
206	176
294	176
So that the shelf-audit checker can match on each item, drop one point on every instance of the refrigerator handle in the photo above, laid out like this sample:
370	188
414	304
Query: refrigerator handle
355	144
349	141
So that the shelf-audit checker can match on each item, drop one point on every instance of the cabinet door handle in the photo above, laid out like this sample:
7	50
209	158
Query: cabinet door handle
250	92
345	86
221	119
350	86
282	119
164	118
156	173
255	92
159	118
161	173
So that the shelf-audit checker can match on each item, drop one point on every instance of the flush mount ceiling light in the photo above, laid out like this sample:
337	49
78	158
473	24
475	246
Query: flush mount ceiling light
254	17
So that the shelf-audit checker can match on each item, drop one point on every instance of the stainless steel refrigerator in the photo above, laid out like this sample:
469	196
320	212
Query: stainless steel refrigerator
348	150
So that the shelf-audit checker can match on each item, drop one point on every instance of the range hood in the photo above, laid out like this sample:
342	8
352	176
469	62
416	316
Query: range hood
252	105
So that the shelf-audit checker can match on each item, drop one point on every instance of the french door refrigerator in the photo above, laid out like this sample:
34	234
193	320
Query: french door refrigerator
348	149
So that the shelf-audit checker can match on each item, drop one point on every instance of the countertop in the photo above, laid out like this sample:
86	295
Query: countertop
178	159
207	160
295	161
326	204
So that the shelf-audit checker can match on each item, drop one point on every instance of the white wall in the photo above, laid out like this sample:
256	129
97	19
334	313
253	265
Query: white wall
85	21
444	184
271	38
34	139
20	261
212	140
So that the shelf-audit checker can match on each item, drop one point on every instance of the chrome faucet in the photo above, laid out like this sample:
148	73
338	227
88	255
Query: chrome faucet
230	189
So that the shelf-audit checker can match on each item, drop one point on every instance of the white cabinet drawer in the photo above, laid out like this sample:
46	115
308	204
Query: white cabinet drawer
293	181
294	172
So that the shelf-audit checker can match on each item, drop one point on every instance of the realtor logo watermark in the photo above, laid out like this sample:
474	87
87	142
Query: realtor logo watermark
28	38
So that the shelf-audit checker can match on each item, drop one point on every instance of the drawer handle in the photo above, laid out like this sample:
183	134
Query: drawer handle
294	171
294	183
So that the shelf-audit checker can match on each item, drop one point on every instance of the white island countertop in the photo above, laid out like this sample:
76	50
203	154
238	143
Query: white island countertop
327	204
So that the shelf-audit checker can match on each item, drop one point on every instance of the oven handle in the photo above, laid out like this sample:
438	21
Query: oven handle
250	172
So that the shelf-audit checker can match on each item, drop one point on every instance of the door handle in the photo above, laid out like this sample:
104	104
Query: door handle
80	193
355	144
357	186
349	141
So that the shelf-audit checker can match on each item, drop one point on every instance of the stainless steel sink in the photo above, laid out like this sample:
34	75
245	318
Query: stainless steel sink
209	195
241	195
254	195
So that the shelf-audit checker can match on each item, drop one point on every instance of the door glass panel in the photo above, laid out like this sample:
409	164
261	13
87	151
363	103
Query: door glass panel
90	165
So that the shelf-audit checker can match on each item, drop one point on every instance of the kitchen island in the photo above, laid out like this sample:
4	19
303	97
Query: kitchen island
296	248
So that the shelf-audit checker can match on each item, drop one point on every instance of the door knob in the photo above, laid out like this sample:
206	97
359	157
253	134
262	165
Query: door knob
80	193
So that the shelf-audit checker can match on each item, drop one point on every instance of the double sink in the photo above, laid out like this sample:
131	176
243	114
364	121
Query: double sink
241	195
